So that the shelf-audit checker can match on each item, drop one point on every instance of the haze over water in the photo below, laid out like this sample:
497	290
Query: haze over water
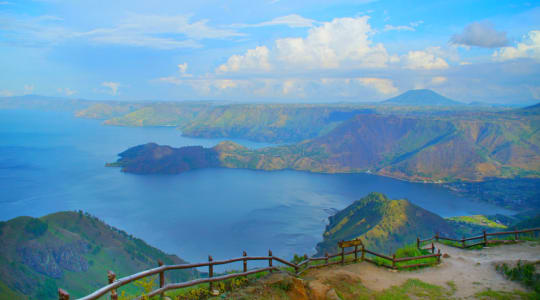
53	161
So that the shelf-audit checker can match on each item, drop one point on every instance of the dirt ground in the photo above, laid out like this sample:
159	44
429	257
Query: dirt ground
471	271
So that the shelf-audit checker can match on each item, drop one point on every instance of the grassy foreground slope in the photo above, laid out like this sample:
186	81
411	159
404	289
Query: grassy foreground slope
72	251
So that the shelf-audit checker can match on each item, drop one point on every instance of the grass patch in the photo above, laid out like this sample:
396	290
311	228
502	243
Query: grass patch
503	295
414	289
407	251
524	273
480	220
412	251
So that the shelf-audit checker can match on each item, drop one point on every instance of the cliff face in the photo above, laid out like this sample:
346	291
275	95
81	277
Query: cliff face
382	224
72	251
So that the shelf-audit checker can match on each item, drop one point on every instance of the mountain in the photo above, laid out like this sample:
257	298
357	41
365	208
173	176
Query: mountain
429	148
382	224
421	97
529	110
70	250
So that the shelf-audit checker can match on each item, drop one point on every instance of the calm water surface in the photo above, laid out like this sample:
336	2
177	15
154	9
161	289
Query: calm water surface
52	161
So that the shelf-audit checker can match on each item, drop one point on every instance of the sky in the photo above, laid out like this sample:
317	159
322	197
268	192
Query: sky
270	50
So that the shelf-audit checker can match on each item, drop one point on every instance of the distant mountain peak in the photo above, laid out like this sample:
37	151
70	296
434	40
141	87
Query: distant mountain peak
422	97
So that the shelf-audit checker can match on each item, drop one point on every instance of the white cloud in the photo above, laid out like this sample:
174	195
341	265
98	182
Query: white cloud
343	42
138	30
253	60
480	34
6	93
171	79
427	60
225	84
535	92
293	21
33	31
528	48
113	86
182	68
294	87
148	31
411	27
28	89
438	80
66	91
388	27
381	85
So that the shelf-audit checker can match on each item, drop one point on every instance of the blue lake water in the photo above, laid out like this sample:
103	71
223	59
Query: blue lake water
53	161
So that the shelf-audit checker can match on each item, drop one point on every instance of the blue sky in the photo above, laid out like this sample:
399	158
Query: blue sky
283	51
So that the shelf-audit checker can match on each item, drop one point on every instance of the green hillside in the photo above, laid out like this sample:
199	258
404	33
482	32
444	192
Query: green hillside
72	251
417	148
383	225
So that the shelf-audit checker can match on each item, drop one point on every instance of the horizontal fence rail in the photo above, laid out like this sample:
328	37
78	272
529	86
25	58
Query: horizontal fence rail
462	243
299	268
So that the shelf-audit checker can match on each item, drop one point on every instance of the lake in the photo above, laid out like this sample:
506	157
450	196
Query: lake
52	161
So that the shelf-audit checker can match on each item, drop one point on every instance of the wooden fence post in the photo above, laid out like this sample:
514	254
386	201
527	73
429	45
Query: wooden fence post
112	277
270	260
439	256
418	242
343	255
432	248
326	258
63	295
210	271
161	277
485	239
463	242
355	253
437	237
244	254
306	259
393	261
516	233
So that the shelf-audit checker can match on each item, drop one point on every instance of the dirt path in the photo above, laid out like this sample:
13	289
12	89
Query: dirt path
471	271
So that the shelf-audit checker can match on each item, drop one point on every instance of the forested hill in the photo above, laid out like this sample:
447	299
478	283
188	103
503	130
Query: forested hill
71	250
264	122
382	224
418	148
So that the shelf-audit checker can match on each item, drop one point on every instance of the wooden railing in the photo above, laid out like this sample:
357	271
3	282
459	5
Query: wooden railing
462	243
299	268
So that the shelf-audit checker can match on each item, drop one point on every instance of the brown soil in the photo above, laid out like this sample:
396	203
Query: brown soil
471	271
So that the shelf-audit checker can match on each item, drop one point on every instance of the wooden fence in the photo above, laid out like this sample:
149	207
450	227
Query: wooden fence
306	264
462	243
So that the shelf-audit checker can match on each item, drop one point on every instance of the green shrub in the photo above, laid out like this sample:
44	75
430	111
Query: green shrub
36	227
297	259
2	224
524	273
